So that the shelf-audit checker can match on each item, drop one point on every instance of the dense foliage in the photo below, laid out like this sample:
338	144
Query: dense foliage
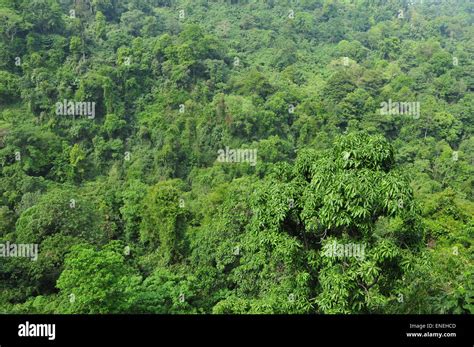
134	210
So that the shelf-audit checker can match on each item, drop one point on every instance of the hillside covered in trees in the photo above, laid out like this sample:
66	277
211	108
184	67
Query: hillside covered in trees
199	156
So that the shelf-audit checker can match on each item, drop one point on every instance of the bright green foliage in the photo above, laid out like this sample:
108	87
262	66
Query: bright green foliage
134	210
165	292
97	281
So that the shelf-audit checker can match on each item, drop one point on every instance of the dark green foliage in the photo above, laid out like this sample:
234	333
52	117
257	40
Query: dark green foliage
145	207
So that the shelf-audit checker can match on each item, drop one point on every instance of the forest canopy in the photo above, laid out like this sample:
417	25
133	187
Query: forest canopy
236	157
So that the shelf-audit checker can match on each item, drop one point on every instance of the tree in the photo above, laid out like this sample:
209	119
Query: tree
32	149
8	86
344	195
97	281
165	292
131	211
60	211
12	24
163	220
